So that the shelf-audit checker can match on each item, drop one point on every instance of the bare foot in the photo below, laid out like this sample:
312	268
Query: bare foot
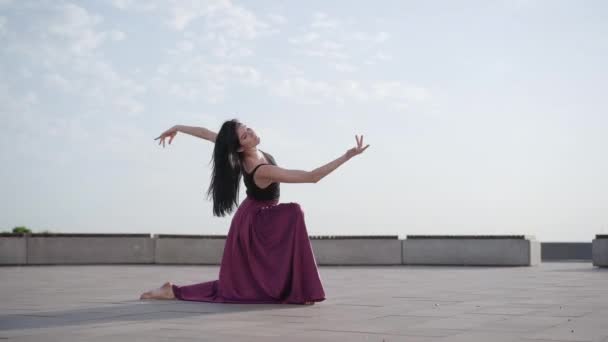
309	303
163	292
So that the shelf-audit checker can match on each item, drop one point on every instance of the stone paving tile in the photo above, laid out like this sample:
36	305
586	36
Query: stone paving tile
506	309
460	322
523	324
324	335
438	309
388	325
563	311
570	333
476	336
550	302
586	328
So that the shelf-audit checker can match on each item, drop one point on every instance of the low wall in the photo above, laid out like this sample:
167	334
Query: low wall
511	250
13	250
189	249
600	251
357	250
63	249
560	251
71	249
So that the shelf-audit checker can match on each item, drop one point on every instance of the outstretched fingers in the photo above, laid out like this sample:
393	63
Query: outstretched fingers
359	141
161	138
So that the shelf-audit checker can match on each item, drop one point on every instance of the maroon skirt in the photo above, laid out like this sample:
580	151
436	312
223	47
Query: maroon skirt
267	258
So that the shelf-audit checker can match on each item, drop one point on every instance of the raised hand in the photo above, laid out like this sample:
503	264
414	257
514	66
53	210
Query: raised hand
358	149
170	133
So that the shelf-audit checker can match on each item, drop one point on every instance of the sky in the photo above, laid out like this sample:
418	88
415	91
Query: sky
483	117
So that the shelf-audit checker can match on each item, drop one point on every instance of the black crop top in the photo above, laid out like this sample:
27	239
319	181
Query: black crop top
270	192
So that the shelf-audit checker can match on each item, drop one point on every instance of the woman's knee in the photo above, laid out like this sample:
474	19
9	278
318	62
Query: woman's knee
297	208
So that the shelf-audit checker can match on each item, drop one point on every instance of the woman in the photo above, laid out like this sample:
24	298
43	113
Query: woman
267	256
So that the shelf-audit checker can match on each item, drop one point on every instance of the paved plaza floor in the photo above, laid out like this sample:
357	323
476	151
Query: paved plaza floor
552	302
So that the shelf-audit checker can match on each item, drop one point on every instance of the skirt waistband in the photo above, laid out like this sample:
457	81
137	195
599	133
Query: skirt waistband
261	202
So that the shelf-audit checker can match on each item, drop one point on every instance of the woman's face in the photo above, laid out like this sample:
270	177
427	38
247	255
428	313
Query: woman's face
247	136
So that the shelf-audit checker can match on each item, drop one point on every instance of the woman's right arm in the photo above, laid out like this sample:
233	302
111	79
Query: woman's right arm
200	132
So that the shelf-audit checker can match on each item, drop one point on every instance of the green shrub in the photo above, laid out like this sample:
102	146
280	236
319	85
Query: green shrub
22	230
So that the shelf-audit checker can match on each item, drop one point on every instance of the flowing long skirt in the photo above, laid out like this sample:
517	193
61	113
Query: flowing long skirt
267	258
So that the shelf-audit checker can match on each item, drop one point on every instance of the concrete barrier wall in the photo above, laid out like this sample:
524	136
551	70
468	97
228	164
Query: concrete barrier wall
175	249
90	249
357	251
600	251
553	251
471	250
13	250
329	250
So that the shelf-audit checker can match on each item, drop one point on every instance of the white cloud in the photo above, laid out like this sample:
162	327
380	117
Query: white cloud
76	25
97	83
399	91
277	19
25	72
61	54
31	98
238	22
288	70
381	37
312	44
110	86
366	37
197	79
57	81
305	38
185	45
220	16
345	67
2	25
182	47
181	17
134	5
220	26
336	40
128	105
393	93
116	35
378	57
304	90
22	115
322	21
224	47
122	4
327	49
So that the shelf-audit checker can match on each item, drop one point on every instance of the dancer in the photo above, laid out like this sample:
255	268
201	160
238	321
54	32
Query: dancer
267	257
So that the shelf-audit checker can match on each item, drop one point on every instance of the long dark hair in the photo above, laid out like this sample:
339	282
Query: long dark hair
227	172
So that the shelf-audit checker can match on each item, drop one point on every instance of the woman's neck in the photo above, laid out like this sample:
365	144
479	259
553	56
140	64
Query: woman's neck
253	158
253	154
